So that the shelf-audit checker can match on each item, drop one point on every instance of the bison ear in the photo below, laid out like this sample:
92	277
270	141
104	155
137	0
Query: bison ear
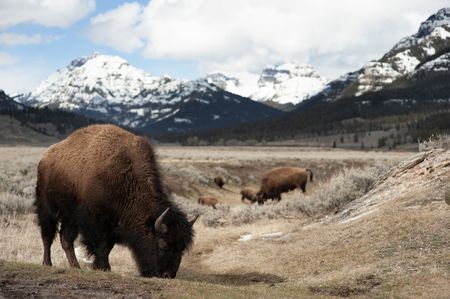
160	227
192	221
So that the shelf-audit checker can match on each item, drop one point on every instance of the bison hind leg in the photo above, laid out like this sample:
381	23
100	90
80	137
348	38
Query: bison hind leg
48	226
303	187
68	234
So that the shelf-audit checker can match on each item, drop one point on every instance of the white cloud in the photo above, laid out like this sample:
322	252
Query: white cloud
56	13
241	36
118	28
6	59
14	39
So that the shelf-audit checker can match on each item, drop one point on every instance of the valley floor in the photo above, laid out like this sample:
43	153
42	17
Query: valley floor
392	242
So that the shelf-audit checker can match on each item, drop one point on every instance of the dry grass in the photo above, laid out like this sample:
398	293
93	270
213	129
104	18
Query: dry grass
435	142
399	249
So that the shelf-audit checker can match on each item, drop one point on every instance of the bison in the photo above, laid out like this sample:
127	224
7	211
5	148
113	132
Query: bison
219	181
283	179
249	194
103	182
208	201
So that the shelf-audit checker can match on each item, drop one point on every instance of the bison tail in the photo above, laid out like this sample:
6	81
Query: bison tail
310	174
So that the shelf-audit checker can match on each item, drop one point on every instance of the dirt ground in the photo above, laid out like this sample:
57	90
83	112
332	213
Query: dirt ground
393	242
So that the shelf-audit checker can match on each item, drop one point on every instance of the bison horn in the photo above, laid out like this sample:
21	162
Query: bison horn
192	221
159	225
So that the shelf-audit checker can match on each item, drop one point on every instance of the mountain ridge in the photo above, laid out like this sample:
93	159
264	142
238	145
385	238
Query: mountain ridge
108	88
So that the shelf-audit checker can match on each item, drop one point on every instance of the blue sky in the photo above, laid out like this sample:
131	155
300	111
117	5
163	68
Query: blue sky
188	38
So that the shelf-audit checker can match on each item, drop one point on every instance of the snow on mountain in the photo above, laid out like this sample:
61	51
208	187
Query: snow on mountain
440	64
228	83
432	38
108	88
288	83
278	85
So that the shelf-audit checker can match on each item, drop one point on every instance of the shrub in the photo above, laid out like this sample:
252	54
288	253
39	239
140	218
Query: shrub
332	196
435	142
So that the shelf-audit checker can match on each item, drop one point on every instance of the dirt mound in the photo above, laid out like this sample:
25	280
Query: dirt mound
420	180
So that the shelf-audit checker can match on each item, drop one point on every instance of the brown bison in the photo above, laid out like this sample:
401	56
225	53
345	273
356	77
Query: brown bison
283	179
219	181
208	201
103	182
249	194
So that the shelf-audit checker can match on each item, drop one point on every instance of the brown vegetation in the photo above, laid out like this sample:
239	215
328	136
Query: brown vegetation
361	230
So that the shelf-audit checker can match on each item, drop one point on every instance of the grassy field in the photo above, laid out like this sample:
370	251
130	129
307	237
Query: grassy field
360	231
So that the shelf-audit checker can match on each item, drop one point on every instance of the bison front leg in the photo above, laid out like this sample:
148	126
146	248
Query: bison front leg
101	260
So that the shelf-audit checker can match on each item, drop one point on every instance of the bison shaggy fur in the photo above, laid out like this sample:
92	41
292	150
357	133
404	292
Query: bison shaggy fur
250	194
219	181
103	182
283	179
208	201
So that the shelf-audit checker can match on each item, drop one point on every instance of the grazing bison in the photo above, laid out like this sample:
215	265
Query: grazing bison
219	181
208	201
283	179
103	182
249	194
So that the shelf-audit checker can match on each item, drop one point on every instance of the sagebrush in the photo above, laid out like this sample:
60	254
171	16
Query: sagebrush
330	196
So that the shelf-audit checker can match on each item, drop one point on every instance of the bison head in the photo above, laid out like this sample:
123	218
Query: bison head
173	236
261	197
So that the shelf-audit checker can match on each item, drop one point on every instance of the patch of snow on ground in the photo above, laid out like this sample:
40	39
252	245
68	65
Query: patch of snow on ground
272	236
245	237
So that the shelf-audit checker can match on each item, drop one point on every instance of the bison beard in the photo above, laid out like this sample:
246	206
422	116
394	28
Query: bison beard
103	182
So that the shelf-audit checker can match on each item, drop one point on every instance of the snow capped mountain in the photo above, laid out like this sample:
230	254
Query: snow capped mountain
288	83
108	88
228	83
281	86
431	41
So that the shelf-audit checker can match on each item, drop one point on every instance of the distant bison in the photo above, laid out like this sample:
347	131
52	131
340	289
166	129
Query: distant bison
219	181
249	194
103	182
283	179
208	201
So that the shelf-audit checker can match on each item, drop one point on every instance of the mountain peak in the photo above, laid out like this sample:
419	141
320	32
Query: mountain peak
98	59
289	82
441	18
281	72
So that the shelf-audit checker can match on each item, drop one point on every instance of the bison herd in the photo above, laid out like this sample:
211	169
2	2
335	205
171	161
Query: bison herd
273	183
103	183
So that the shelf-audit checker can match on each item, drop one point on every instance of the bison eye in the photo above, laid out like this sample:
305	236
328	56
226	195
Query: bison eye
162	244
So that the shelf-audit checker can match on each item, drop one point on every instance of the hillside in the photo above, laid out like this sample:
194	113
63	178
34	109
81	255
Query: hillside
431	40
20	124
